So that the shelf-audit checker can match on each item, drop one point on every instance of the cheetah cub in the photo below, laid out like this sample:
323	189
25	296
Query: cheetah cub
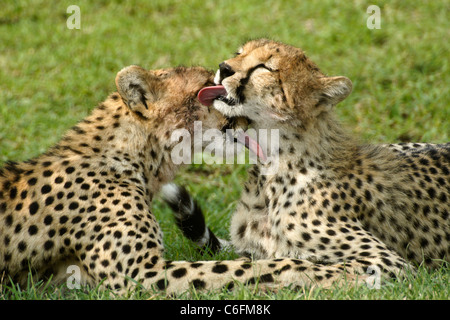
85	203
333	203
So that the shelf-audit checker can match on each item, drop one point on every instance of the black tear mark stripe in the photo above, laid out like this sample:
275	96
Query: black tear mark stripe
243	82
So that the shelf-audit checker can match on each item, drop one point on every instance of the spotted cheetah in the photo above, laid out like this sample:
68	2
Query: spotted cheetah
332	201
86	202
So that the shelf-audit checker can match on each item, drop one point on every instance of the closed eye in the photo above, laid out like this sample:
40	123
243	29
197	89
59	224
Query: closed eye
244	80
262	65
251	70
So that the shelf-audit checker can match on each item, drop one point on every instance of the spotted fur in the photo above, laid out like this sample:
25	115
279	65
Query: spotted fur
333	201
86	201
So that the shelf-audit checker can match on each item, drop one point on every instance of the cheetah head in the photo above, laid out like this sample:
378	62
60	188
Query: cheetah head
168	96
269	81
163	101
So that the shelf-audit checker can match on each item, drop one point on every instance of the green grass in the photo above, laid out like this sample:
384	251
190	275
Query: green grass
50	77
426	285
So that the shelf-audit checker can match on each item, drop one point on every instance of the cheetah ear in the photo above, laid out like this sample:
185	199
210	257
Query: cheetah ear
137	87
335	89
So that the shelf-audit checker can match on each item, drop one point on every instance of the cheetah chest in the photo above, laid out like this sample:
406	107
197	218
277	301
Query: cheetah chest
288	195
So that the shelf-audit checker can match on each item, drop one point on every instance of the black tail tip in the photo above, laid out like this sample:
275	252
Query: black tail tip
188	215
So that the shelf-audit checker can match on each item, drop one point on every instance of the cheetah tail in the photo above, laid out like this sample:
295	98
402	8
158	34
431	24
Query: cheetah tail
189	218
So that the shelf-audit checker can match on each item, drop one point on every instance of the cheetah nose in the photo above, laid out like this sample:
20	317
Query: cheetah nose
225	71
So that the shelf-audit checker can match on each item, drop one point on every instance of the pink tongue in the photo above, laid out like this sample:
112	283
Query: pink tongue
207	95
251	145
